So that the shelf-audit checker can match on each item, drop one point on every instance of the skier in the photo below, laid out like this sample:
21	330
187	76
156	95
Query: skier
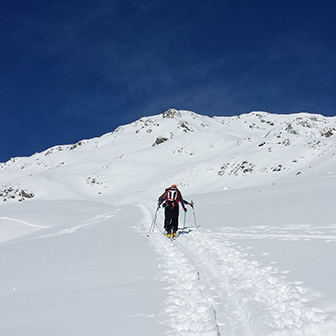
171	199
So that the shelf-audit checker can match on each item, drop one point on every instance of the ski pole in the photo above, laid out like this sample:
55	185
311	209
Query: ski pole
151	229
196	226
185	217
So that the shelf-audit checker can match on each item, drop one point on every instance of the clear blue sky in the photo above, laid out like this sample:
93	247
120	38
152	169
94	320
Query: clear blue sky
76	69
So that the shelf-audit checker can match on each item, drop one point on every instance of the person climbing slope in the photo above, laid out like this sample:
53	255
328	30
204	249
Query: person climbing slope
170	200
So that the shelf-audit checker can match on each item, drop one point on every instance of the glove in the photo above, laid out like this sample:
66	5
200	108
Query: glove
191	204
185	209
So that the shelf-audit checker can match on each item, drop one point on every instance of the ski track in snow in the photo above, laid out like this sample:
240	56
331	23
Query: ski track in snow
289	232
72	229
280	236
90	222
191	310
214	290
25	223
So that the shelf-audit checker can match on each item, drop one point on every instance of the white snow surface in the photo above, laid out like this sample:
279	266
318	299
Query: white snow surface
75	257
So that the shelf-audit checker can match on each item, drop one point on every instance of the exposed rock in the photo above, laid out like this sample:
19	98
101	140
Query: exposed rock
159	140
172	113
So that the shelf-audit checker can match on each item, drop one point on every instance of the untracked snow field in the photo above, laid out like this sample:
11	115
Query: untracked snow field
262	263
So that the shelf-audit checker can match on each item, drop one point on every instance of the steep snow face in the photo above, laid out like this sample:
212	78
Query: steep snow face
199	153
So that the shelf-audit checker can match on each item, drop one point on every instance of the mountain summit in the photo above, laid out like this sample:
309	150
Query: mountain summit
200	153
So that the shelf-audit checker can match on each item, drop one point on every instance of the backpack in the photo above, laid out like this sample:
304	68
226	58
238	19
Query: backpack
172	195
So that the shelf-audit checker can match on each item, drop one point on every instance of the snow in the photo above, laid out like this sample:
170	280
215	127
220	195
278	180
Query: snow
76	260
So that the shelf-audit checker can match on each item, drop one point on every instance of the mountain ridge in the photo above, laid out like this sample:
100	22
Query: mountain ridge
197	152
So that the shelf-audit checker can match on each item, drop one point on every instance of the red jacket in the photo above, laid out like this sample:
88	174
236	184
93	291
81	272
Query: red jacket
172	195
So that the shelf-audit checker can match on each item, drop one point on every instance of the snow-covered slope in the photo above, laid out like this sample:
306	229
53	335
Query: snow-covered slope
198	153
75	258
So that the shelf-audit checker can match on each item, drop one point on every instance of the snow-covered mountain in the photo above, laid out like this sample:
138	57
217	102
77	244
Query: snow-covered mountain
199	153
75	258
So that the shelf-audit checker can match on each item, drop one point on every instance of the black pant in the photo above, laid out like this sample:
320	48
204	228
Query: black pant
171	217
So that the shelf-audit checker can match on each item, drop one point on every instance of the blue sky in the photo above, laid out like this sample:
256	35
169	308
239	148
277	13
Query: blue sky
76	69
